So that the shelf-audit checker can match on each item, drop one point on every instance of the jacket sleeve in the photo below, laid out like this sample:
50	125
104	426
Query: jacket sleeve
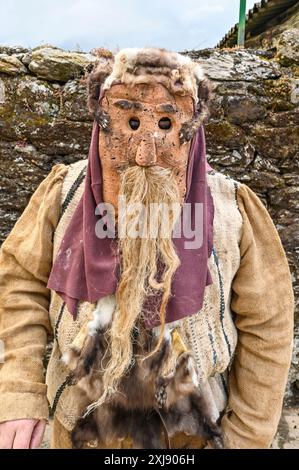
25	263
263	304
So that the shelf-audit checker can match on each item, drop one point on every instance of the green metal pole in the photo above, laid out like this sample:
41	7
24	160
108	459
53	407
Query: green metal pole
241	26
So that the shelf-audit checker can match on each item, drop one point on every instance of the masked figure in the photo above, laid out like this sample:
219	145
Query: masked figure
164	282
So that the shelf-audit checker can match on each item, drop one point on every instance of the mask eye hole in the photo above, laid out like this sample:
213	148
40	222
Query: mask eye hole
165	124
134	123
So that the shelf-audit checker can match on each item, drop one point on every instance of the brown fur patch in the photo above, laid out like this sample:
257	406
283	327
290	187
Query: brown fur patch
189	128
133	410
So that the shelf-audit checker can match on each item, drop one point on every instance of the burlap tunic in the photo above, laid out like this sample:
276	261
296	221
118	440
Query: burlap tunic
241	338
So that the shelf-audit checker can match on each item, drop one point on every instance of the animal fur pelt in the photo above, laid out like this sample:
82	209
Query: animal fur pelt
148	402
178	73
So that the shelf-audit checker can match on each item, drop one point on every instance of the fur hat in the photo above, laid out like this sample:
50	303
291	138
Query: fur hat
177	72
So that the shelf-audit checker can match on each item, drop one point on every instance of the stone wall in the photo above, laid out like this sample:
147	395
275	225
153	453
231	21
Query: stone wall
253	132
275	29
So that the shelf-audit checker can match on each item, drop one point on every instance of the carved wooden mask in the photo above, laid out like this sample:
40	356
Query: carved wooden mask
145	121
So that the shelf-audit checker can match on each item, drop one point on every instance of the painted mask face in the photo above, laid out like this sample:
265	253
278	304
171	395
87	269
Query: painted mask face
145	121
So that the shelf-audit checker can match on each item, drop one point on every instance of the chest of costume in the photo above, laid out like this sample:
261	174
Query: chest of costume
210	334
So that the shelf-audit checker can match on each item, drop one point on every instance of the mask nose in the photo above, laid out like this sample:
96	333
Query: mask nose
146	152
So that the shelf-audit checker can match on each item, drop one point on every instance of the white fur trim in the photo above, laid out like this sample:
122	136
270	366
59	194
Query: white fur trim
102	314
192	371
66	358
181	67
167	332
128	54
167	335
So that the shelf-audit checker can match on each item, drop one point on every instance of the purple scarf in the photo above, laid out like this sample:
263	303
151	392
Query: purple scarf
85	268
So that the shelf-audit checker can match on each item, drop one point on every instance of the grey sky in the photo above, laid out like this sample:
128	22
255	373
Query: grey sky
72	24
